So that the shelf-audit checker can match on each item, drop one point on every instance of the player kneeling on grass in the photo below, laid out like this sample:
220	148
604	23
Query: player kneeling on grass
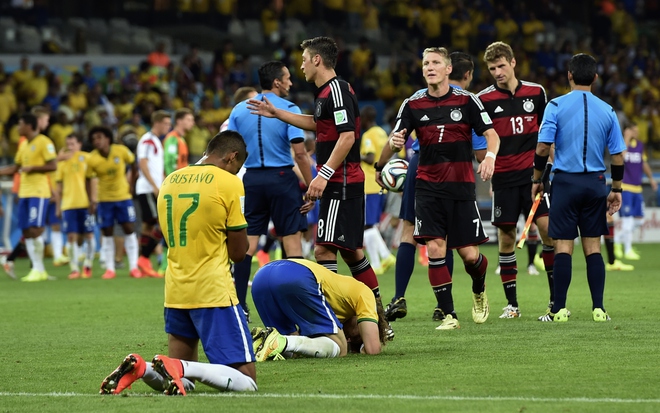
311	311
200	211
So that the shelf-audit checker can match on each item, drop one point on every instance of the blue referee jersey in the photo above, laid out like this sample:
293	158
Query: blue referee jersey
581	126
268	140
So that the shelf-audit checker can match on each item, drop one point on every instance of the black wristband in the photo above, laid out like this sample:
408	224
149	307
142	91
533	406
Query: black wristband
540	161
378	168
619	190
536	181
617	172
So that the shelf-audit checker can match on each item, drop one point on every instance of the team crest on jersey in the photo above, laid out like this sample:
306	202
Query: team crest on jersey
116	159
318	109
498	212
456	115
33	148
528	105
81	158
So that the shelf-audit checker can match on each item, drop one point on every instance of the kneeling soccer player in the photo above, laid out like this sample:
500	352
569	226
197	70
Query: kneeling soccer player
311	311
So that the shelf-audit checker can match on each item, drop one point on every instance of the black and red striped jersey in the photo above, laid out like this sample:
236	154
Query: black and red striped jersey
516	119
336	111
444	130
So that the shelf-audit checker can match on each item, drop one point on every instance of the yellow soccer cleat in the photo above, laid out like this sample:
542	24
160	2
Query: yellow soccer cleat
600	316
631	256
449	323
619	266
273	346
63	260
480	309
35	276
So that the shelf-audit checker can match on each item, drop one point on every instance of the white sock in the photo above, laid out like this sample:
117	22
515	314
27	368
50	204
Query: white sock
383	251
56	242
319	347
89	248
73	249
371	245
627	226
158	382
35	248
108	252
132	250
218	376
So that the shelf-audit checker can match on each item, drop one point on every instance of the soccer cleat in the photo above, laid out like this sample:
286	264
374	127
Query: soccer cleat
273	346
497	270
618	250
510	312
389	332
161	272
63	260
136	273
108	275
378	270
387	263
600	316
49	277
480	308
549	315
531	270
438	315
631	256
144	264
396	309
35	276
561	316
129	371
8	266
74	275
87	272
619	266
172	370
539	263
258	334
263	258
449	323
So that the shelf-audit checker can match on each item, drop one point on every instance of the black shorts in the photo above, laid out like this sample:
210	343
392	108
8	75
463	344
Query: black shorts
341	223
509	203
273	194
148	208
457	222
578	201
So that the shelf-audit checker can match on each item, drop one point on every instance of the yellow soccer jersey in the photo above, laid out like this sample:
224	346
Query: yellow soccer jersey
197	205
373	141
37	152
347	296
73	173
111	172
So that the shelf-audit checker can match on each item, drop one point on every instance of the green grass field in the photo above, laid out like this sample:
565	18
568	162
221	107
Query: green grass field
60	339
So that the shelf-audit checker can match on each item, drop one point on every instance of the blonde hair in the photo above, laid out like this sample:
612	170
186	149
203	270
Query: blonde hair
159	115
439	50
497	50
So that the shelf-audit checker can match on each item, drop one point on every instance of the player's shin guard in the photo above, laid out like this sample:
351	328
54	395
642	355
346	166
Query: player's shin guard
441	283
509	272
318	347
563	272
596	278
363	272
218	376
478	273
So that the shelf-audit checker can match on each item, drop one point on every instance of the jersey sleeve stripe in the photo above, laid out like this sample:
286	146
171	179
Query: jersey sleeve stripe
336	93
403	105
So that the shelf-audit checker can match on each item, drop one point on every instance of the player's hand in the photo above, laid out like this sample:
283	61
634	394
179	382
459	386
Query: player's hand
613	202
486	168
307	206
398	139
379	180
26	169
537	189
262	107
316	188
92	208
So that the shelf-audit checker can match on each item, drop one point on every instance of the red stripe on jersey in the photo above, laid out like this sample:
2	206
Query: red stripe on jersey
153	144
446	172
515	162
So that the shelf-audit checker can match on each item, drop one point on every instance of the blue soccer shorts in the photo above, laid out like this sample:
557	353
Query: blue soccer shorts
119	211
77	221
32	212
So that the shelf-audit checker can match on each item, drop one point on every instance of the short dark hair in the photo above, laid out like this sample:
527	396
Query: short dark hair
583	68
225	142
29	119
182	113
323	46
100	129
270	71
77	137
461	64
159	116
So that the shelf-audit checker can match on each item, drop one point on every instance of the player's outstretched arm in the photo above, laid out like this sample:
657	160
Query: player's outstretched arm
267	109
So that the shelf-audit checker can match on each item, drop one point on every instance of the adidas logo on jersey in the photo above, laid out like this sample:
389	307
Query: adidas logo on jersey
341	238
424	118
498	109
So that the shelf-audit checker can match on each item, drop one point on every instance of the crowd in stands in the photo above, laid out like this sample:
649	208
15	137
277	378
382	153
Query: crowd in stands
544	36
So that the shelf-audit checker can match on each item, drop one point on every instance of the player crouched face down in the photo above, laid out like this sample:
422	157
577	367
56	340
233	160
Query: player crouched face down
311	311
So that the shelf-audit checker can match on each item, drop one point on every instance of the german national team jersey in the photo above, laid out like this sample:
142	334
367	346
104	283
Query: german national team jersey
175	151
444	130
197	205
347	296
633	161
36	152
336	112
516	119
111	172
73	173
373	141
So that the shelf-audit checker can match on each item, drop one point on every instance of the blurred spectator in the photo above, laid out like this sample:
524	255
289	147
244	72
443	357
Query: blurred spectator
270	25
111	83
59	130
506	28
88	75
532	30
370	20
197	139
159	57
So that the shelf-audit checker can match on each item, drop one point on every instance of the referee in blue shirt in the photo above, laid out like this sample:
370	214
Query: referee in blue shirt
581	126
272	189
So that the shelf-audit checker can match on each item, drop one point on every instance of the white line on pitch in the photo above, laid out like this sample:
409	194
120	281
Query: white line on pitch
359	396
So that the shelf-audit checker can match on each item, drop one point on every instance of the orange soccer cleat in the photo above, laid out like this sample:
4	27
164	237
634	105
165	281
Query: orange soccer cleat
108	275
144	264
74	275
263	258
172	370
130	370
87	272
136	273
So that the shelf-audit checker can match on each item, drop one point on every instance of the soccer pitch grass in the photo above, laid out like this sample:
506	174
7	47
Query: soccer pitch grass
60	339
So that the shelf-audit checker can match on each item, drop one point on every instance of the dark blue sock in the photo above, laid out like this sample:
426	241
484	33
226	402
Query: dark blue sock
596	279
449	261
562	279
405	263
241	278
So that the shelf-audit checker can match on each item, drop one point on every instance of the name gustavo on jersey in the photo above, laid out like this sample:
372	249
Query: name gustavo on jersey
206	178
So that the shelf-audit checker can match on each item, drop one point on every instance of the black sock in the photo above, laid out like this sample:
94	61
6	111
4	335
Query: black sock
241	279
18	250
149	244
596	279
509	272
270	240
442	285
609	243
562	279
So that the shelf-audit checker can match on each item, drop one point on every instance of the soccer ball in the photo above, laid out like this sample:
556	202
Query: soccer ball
394	174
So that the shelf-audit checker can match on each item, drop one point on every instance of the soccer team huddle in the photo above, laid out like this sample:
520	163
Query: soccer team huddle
210	218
